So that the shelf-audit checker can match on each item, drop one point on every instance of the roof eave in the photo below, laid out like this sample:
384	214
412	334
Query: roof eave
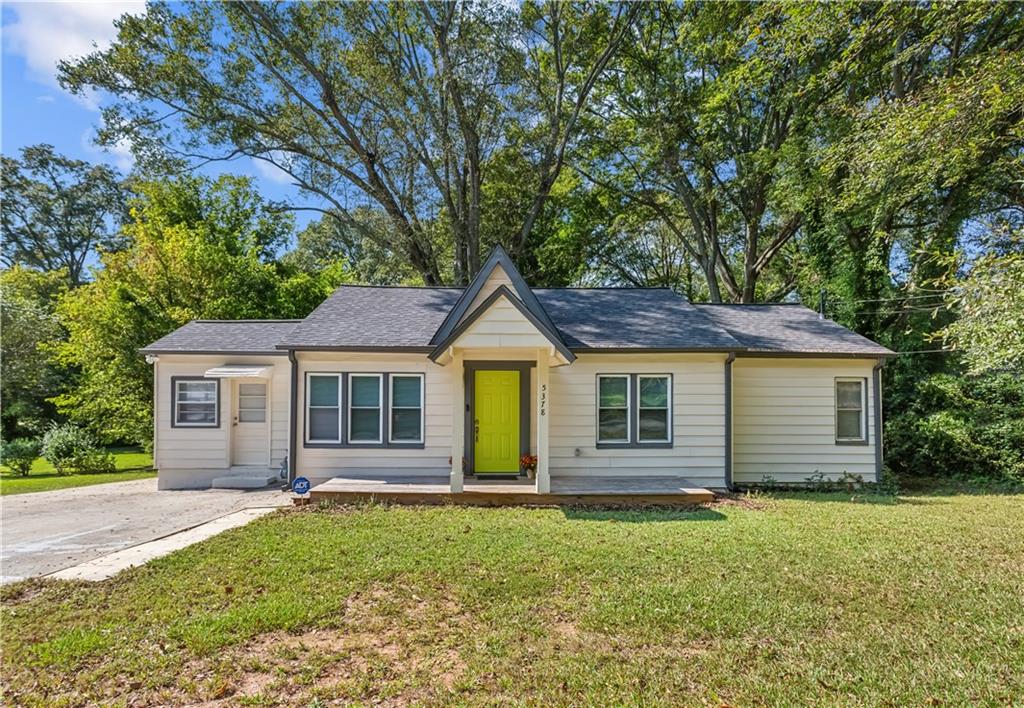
210	352
503	292
499	257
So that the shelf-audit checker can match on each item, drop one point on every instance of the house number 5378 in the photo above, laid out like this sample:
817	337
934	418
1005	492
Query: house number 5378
544	399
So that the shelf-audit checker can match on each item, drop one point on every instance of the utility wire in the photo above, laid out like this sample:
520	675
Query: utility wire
929	351
891	299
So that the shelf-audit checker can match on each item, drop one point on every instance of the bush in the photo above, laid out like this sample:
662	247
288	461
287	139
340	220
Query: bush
97	461
967	427
67	447
19	454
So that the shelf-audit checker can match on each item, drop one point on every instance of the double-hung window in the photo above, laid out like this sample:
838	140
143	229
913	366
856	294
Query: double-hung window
360	410
406	402
613	409
365	409
655	414
196	403
634	410
323	417
851	409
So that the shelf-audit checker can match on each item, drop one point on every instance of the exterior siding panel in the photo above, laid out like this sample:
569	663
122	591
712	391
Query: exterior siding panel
698	420
192	457
784	420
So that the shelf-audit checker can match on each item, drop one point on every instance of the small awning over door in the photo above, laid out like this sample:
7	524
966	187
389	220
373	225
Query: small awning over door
239	372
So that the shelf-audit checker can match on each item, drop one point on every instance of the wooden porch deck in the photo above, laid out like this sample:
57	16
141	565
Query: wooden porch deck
599	491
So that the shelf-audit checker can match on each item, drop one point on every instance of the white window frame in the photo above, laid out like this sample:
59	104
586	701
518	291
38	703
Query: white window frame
241	396
392	407
309	405
668	408
629	410
380	409
216	402
863	408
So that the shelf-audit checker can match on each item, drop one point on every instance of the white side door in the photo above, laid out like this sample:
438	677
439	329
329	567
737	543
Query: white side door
250	424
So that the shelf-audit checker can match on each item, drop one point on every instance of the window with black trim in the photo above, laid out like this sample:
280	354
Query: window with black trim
323	408
851	410
365	408
196	403
655	414
634	410
613	409
406	405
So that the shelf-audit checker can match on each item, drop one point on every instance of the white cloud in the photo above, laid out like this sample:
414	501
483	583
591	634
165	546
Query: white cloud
120	155
46	32
271	171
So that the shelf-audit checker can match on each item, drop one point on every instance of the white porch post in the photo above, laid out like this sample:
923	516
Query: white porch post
543	414
458	421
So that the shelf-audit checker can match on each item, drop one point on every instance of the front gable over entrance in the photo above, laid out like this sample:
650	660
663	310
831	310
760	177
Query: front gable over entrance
498	271
503	321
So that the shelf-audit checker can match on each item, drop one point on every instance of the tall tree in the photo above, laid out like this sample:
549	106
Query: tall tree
398	103
194	249
28	321
56	211
926	139
707	125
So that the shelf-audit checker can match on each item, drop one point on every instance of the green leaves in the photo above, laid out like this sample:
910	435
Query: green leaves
196	249
56	211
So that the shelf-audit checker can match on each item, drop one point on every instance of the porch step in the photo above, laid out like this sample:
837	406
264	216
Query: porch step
248	481
619	492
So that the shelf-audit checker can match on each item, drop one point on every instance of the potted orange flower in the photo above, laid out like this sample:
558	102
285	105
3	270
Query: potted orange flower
528	463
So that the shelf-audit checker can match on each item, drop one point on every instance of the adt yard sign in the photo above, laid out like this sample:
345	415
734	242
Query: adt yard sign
300	485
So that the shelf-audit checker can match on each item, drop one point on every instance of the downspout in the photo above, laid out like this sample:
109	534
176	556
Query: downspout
155	362
728	421
293	411
876	385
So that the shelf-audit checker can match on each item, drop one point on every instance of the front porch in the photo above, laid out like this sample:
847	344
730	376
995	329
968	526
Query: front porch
598	491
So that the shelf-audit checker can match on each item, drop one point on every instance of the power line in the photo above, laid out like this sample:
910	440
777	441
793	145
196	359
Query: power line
898	310
929	351
890	299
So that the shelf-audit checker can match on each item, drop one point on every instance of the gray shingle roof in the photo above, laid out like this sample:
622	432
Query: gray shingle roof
369	317
364	316
792	329
227	336
631	318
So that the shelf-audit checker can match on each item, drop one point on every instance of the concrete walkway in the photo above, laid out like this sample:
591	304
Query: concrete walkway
113	563
44	532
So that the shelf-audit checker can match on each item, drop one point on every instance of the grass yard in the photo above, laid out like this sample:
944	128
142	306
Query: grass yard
775	600
132	463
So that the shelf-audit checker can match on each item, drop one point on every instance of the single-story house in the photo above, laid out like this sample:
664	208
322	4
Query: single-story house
635	390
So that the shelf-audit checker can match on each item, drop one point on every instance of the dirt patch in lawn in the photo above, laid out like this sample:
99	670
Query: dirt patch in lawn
388	649
739	501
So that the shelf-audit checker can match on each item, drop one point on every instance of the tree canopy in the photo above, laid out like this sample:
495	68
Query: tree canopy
56	211
194	249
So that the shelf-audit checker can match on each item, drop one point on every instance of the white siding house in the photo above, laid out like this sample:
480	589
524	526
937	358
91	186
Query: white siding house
629	387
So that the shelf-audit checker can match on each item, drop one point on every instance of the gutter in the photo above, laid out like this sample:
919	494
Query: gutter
293	410
728	421
876	385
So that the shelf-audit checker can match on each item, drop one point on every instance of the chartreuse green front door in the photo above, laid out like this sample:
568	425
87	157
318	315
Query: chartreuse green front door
496	421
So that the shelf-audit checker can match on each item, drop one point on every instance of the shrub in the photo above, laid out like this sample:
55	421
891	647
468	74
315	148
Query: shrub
67	447
967	427
19	454
97	461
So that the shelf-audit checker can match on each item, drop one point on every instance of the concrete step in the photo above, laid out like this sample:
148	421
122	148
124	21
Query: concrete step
248	481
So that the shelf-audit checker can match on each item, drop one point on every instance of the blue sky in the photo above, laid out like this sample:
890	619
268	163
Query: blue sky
36	110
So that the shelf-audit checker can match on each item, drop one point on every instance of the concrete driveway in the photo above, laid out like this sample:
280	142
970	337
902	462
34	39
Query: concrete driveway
44	532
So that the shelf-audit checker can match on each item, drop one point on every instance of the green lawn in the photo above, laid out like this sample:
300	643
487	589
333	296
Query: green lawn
132	463
782	600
